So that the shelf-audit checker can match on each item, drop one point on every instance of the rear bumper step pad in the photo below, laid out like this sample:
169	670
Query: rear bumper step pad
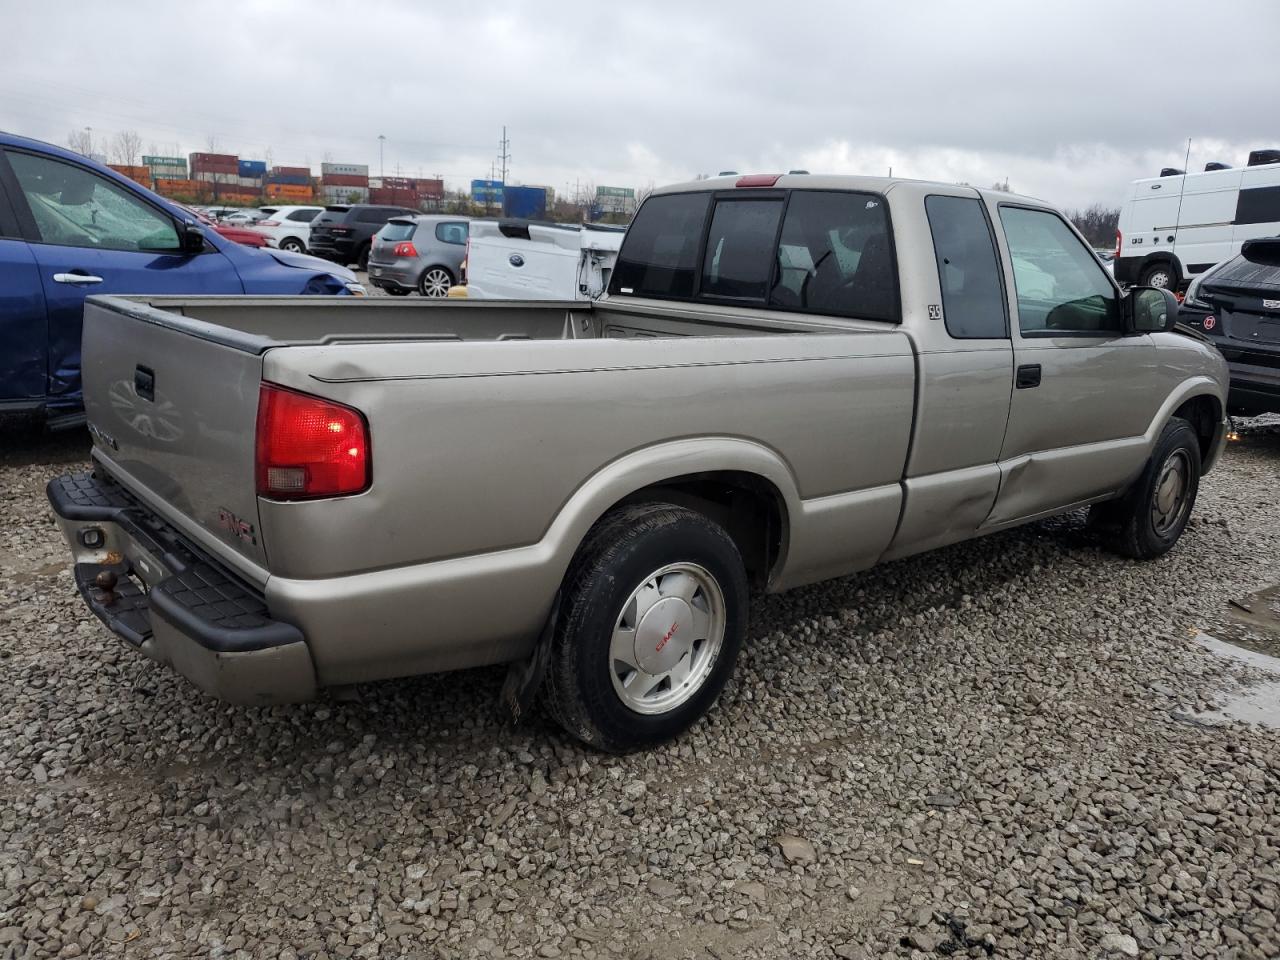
195	616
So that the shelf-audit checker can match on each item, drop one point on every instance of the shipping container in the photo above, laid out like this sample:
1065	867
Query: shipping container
180	188
292	179
429	188
348	169
527	203
140	174
289	191
394	197
345	194
344	180
292	171
253	168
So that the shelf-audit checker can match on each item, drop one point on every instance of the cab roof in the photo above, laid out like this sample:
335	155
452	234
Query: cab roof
828	181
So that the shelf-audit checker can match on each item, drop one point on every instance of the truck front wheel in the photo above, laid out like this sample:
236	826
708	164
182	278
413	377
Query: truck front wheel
653	614
1148	520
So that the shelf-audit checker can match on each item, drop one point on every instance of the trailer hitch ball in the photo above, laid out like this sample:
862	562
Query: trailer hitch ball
106	582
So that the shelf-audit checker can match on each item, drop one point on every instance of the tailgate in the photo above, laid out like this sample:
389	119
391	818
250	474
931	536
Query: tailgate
172	404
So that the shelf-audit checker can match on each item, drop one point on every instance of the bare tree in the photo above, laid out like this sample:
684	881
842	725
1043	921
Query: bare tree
125	147
1097	223
211	143
1002	187
642	193
81	141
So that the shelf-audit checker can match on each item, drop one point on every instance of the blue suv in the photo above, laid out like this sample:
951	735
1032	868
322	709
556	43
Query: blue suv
70	227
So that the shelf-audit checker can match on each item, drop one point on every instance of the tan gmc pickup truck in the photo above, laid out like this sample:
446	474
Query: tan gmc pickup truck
791	378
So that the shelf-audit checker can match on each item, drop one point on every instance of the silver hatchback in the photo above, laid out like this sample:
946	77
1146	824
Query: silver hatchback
422	253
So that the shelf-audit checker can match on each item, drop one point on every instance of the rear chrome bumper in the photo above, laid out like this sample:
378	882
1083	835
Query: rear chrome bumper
172	602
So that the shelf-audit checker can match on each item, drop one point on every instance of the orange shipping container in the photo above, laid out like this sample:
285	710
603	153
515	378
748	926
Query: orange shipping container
289	191
186	187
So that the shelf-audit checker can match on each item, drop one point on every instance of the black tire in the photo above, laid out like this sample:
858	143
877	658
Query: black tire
1162	273
362	257
398	291
293	245
1131	525
429	284
618	555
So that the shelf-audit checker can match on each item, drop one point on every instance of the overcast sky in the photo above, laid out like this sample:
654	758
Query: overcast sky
1069	100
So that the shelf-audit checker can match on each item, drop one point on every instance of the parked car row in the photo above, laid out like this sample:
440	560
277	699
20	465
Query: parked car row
70	227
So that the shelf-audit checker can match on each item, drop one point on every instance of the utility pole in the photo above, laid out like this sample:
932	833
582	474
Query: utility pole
504	156
382	170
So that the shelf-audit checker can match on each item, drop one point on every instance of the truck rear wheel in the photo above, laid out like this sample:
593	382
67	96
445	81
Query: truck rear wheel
653	614
1148	520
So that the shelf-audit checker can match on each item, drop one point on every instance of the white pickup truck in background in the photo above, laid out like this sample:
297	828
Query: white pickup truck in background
518	260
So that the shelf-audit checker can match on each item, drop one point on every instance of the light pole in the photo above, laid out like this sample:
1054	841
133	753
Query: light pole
382	170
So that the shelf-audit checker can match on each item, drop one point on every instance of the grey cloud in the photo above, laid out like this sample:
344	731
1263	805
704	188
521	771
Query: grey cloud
1069	101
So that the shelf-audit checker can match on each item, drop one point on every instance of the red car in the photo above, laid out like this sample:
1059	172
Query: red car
236	234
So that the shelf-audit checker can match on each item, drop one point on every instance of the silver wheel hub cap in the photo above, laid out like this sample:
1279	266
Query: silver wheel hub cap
667	638
1169	502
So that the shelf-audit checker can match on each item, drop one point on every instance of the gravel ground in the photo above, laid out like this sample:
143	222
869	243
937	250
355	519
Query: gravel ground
999	749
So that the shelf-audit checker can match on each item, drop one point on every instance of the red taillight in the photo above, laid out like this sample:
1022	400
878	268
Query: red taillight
1119	241
405	248
758	180
308	447
268	223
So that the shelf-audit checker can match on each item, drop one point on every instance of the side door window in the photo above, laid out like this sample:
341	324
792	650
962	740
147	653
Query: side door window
1062	288
302	216
73	207
835	257
739	257
973	301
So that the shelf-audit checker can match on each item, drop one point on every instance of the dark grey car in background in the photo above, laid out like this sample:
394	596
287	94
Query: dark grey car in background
422	253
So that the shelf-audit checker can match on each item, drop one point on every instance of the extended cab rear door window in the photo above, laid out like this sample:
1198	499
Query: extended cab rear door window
836	257
973	301
660	256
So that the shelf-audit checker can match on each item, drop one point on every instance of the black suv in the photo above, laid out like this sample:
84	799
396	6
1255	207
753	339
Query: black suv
1237	306
342	232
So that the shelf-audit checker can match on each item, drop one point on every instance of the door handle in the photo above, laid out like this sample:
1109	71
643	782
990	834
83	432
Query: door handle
78	279
1028	376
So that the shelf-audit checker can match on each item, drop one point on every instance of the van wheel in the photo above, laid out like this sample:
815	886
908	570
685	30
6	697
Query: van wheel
293	245
1148	520
435	282
653	614
1158	275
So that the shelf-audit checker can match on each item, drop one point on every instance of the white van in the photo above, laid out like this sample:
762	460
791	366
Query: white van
1176	226
517	260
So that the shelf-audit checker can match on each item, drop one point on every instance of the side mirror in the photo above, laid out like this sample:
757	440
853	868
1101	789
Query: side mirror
1150	310
190	238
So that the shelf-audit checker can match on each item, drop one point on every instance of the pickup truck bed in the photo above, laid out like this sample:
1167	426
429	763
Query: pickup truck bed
581	395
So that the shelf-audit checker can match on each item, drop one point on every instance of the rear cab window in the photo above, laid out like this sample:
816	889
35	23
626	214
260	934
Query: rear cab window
660	255
813	251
